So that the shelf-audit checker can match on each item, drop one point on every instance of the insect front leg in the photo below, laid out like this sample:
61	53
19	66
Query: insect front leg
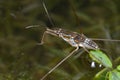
48	31
43	38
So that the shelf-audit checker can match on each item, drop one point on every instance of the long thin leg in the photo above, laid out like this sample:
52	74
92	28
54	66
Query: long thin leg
50	19
105	39
59	63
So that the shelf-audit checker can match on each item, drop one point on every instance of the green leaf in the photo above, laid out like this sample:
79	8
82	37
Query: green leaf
101	58
101	75
118	67
114	75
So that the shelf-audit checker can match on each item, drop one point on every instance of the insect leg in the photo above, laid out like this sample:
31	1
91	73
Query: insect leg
59	63
105	39
85	49
43	37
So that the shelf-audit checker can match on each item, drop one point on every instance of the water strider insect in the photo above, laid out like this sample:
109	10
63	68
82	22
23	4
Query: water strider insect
73	38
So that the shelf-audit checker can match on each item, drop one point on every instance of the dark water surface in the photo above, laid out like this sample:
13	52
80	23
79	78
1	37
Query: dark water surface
22	59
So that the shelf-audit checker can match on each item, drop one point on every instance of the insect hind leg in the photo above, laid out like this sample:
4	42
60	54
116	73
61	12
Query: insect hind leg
70	54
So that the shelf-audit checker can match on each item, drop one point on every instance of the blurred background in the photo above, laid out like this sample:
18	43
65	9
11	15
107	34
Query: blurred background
22	59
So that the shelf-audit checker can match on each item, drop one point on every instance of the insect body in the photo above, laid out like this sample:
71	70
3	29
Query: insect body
73	38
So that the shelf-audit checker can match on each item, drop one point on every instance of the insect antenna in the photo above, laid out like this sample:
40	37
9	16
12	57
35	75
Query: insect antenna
35	26
32	26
